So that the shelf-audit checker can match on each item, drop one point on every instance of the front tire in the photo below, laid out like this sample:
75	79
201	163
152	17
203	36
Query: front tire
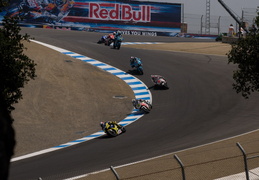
145	109
112	133
166	86
118	45
123	129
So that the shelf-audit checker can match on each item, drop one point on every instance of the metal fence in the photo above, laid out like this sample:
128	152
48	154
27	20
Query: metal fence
212	162
218	24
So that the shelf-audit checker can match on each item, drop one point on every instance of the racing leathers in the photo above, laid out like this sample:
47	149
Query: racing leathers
156	78
135	62
137	102
111	123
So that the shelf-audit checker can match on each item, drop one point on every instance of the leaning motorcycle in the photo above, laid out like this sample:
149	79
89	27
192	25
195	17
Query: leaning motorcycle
109	40
138	68
113	130
146	107
117	42
143	105
102	40
161	82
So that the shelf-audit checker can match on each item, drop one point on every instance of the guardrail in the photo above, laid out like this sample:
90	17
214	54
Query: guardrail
213	162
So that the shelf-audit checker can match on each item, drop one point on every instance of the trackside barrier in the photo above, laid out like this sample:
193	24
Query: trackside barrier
221	161
181	164
245	160
115	173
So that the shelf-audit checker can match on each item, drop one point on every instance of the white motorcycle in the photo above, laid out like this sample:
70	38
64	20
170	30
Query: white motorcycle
159	81
142	105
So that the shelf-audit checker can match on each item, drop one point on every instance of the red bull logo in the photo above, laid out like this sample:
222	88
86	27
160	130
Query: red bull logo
120	12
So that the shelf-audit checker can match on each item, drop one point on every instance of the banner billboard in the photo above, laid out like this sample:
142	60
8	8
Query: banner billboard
102	15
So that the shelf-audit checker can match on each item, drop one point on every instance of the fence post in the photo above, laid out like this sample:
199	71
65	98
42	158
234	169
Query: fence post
245	160
115	173
181	164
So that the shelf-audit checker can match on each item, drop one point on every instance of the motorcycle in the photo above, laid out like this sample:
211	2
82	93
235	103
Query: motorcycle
159	81
117	42
112	129
109	40
106	39
137	65
142	105
102	40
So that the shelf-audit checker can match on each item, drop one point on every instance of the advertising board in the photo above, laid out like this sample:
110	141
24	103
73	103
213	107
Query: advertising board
130	17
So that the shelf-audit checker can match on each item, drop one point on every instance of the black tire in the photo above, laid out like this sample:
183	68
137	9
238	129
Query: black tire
109	42
145	109
118	45
112	133
114	45
141	72
123	129
166	86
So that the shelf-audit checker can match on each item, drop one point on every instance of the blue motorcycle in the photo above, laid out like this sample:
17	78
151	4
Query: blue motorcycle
117	42
136	64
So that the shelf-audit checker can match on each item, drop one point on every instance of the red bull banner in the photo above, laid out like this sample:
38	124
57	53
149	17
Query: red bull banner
120	12
130	17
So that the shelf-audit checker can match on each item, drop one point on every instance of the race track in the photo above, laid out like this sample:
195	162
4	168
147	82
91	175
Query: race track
200	107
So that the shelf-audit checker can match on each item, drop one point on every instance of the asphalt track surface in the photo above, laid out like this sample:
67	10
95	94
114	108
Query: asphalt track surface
200	107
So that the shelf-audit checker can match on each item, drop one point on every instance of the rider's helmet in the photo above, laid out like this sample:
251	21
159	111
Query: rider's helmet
118	33
111	125
60	3
102	124
114	33
132	59
133	101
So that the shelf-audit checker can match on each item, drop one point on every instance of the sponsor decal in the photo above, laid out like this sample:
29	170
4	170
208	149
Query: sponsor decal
139	33
120	12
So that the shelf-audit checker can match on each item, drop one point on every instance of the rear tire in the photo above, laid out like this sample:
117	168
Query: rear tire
140	70
112	133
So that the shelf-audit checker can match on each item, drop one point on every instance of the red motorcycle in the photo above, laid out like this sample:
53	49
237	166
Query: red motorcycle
109	39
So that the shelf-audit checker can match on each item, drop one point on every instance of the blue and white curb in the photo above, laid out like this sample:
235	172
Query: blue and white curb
140	90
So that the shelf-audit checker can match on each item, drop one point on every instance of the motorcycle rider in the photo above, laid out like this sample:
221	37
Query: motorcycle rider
117	33
103	39
45	10
135	62
117	40
109	39
137	103
111	123
156	78
106	39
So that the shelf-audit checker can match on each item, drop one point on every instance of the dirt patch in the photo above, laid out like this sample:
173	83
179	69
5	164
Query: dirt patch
66	101
213	48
